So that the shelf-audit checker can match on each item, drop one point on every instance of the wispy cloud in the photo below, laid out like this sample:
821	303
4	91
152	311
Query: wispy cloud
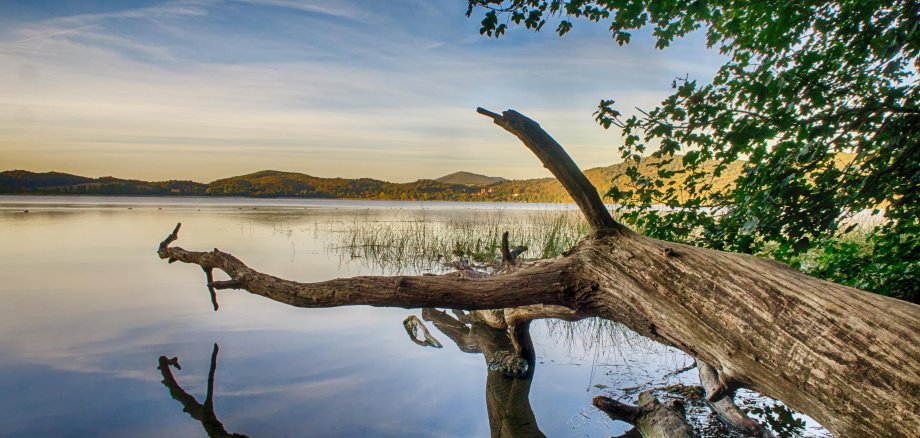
54	33
334	9
232	87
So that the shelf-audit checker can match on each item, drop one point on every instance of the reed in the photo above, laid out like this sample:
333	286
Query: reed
424	244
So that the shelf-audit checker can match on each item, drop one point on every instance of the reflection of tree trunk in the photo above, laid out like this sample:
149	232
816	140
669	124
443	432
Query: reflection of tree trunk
508	403
201	412
847	358
507	396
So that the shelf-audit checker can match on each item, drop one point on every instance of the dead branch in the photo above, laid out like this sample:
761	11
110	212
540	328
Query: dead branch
554	158
412	325
651	417
542	283
510	361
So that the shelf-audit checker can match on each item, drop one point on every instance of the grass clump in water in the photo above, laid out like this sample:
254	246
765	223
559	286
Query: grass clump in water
426	243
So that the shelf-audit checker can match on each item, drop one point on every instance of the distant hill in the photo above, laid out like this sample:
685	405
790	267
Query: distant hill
23	181
14	179
470	179
460	186
271	183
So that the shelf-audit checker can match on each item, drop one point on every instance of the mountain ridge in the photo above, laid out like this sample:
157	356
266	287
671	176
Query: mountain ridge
273	183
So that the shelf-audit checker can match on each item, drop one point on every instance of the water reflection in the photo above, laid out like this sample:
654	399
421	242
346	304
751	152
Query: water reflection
87	310
510	363
508	382
203	412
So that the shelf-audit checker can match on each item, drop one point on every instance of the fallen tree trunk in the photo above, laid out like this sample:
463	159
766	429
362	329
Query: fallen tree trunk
847	358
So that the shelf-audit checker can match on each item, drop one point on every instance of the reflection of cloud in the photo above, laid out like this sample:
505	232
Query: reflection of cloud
326	387
234	87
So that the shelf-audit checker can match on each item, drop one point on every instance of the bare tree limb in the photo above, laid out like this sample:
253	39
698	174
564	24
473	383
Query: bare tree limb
542	283
209	276
616	410
412	325
554	158
508	381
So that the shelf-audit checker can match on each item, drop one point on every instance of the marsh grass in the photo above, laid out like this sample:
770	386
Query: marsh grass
425	244
597	334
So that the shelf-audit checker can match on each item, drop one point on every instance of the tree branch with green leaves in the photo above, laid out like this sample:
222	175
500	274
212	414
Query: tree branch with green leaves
819	103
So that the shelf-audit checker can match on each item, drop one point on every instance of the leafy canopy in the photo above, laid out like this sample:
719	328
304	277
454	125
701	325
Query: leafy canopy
820	99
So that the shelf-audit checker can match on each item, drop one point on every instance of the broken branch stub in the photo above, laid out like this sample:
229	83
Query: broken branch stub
560	164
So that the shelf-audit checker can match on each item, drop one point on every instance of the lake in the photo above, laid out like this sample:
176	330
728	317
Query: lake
89	309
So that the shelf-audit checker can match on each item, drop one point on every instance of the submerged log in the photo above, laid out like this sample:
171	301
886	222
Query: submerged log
652	418
847	358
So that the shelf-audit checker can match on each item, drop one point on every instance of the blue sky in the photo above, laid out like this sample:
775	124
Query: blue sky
205	89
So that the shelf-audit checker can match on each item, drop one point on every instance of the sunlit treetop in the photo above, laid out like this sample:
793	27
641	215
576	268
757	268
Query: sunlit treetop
819	98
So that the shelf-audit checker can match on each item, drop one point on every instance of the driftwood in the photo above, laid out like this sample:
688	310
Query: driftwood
203	412
847	358
652	418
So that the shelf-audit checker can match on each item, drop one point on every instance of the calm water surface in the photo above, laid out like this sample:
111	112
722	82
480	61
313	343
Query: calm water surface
88	309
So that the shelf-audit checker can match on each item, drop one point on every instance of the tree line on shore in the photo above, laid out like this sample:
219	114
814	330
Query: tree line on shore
270	183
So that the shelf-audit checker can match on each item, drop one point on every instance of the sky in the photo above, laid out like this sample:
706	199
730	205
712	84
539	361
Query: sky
205	89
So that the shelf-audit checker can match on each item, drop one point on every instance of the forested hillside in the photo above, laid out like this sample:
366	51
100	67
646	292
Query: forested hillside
23	181
460	186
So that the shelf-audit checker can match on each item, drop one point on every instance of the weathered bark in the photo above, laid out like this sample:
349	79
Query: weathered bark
652	418
848	358
542	283
203	412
